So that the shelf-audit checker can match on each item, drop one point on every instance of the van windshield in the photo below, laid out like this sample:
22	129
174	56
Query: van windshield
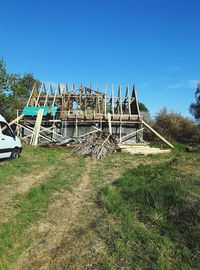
5	129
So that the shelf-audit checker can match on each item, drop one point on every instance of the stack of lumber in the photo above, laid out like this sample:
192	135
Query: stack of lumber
97	145
67	142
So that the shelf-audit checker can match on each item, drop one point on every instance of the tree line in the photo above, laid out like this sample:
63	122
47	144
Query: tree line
16	88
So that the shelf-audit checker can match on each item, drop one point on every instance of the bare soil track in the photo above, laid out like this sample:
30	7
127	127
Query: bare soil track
18	185
55	229
64	235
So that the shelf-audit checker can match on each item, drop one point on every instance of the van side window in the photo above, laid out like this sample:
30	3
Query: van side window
5	129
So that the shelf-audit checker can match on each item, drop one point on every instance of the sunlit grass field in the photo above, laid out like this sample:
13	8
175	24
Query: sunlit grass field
143	210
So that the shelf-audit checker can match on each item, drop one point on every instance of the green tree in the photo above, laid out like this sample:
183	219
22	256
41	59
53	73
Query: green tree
195	107
144	111
14	91
143	108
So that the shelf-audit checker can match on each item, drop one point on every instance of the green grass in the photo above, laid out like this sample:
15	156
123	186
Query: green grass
145	210
14	238
32	158
151	217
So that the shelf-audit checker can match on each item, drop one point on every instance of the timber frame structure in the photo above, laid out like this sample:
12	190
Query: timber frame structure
58	114
86	103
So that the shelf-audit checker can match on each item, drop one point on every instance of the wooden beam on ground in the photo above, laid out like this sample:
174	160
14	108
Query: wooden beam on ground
157	134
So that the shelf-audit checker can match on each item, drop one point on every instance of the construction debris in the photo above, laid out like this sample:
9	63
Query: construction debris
97	145
66	142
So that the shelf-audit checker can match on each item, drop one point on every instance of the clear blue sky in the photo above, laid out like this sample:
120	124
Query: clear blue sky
152	43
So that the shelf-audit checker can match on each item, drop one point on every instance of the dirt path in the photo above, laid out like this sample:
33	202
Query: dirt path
18	185
62	216
64	237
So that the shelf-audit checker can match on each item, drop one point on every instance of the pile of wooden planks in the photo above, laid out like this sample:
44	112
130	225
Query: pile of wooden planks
97	145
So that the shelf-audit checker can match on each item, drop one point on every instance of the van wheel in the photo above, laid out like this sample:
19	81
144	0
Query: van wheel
15	154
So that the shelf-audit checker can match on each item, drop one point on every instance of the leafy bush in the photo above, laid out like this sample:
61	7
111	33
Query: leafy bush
174	126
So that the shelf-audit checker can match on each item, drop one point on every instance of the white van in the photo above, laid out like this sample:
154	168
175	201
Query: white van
10	145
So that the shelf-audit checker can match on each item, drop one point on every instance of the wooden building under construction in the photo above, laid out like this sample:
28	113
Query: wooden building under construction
58	114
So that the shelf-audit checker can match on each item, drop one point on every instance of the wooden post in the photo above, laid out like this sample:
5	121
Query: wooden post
109	123
100	123
51	89
76	127
65	129
80	95
59	90
17	127
129	104
34	140
120	131
45	102
54	98
136	100
37	101
120	99
34	87
105	103
113	100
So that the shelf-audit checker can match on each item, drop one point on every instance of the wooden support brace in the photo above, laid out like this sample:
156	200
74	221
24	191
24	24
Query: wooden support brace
128	136
16	120
32	130
157	134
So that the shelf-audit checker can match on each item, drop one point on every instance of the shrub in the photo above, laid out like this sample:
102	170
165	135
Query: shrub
176	127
